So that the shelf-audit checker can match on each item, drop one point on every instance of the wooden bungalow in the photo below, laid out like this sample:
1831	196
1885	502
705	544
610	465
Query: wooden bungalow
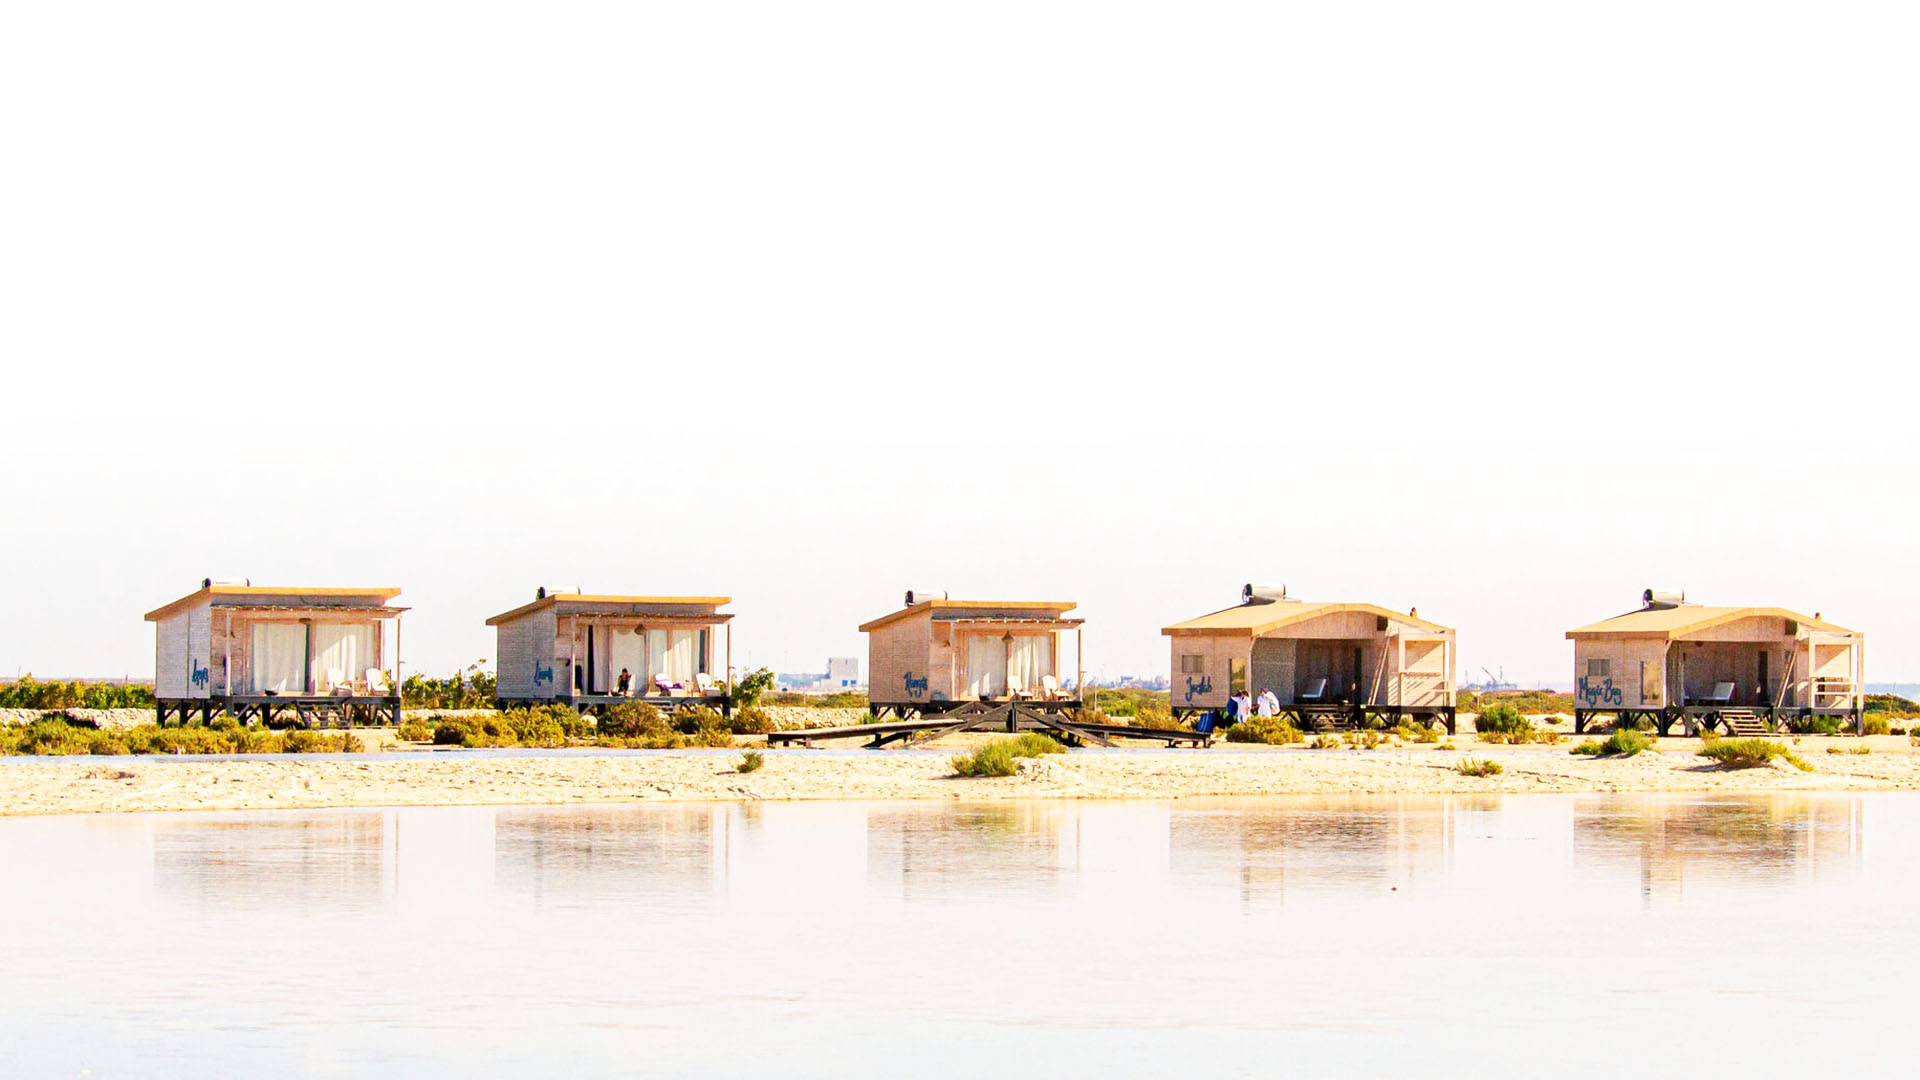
1743	669
936	654
1329	664
269	653
571	648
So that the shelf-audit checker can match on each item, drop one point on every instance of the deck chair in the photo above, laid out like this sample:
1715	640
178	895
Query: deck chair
1018	691
1314	694
1050	688
376	682
337	682
707	685
668	687
1722	695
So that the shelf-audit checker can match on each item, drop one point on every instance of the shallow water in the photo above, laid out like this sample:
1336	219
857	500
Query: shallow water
1520	935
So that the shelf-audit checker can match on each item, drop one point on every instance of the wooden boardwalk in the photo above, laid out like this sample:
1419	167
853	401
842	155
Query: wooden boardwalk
1011	717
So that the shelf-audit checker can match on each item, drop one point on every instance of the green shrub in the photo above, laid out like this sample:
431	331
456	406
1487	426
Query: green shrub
27	692
1748	753
750	761
473	687
1849	749
993	759
1478	767
746	691
697	717
1876	725
1816	724
998	758
632	718
1420	733
1623	743
751	720
1501	718
414	731
1265	729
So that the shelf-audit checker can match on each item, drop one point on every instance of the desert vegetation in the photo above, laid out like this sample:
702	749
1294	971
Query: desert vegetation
1001	757
55	734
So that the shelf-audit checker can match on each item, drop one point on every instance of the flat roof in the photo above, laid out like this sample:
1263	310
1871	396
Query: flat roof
609	601
1253	620
1058	607
198	596
1687	619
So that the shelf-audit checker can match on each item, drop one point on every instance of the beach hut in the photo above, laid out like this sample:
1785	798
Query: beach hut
1743	669
571	648
1328	664
272	653
935	654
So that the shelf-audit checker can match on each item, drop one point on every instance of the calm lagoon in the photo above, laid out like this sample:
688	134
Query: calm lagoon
1431	936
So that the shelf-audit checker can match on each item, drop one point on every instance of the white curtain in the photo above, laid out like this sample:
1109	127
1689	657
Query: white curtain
986	666
683	656
656	656
279	658
628	650
346	648
1031	658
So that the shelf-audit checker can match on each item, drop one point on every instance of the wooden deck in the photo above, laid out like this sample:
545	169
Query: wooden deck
982	716
309	710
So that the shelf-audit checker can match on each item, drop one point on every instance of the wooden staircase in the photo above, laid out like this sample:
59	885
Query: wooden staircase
1745	722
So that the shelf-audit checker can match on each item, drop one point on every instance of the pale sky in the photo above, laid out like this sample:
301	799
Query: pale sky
1504	310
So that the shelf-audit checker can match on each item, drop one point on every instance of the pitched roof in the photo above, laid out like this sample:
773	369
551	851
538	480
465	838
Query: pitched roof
380	596
553	599
1253	620
1676	622
1058	607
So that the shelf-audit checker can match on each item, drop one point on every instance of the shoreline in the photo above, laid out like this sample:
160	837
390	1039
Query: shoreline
83	785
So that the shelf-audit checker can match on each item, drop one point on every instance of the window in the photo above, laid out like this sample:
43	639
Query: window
1193	664
1599	669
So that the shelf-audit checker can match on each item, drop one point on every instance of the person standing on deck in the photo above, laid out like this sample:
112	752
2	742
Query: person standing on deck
1269	704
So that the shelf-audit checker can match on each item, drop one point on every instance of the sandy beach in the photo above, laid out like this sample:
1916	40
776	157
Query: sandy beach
121	784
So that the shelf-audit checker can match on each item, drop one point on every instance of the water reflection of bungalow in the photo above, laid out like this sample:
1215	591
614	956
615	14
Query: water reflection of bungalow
1739	839
1745	669
935	654
572	648
1327	663
266	652
291	863
1353	844
574	852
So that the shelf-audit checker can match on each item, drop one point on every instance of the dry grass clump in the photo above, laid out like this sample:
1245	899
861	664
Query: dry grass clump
1502	723
1000	757
1478	767
1625	742
1750	753
750	761
1271	730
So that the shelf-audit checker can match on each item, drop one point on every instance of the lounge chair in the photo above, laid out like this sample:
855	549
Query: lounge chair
707	685
1018	691
1314	694
376	682
668	687
1722	695
337	683
1050	688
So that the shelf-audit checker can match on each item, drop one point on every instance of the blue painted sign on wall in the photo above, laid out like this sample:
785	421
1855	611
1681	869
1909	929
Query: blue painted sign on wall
916	687
199	675
1202	687
1600	693
542	673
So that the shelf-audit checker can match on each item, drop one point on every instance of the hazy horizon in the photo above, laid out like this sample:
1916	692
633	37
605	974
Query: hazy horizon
1502	313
